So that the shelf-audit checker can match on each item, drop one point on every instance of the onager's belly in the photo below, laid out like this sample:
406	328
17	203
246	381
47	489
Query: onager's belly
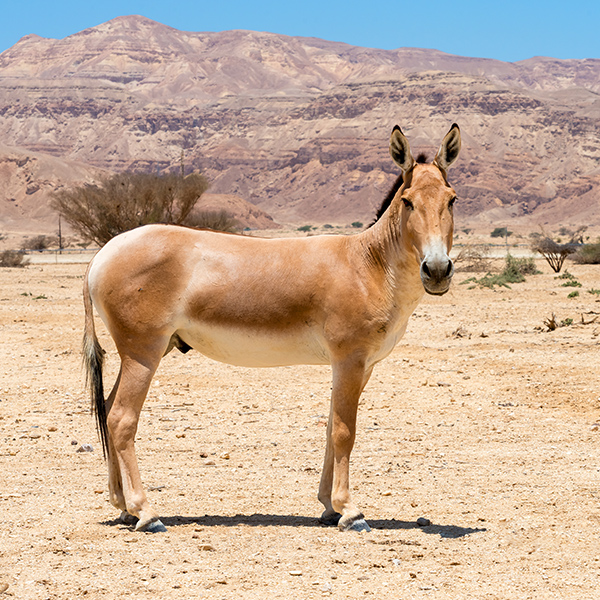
256	348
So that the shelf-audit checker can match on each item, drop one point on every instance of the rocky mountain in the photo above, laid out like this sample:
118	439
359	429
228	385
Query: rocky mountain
300	126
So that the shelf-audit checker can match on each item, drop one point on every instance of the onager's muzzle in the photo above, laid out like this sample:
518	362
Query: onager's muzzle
436	273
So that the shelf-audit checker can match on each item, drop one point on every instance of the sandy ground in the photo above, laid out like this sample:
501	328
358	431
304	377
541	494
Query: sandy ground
481	421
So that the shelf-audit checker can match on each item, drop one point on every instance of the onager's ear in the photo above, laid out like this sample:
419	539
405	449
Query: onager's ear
400	150
449	149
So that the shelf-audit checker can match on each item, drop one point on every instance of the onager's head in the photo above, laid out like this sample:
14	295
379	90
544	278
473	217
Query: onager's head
427	199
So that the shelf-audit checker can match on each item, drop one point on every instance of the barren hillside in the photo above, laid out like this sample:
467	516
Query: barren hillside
300	127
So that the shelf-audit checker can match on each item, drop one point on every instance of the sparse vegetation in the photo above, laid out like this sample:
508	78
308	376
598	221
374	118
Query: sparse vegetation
12	258
127	200
573	294
357	224
594	291
39	242
588	254
514	272
305	228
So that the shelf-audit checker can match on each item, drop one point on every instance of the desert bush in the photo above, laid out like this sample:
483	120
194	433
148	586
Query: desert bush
588	254
473	258
305	228
357	224
12	258
39	242
127	200
219	220
524	266
554	253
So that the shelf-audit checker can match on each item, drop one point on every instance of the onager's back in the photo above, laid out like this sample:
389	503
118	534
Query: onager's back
339	300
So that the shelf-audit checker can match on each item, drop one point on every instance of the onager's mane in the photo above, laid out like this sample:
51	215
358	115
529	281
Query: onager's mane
421	159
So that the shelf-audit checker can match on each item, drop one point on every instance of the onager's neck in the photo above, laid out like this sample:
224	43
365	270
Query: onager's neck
385	247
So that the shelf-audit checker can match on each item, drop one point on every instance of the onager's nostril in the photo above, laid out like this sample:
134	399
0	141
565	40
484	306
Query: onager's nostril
425	269
449	269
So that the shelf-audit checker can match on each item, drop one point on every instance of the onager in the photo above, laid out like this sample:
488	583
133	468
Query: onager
334	299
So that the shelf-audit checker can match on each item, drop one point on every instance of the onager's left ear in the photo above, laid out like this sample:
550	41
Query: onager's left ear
449	149
400	150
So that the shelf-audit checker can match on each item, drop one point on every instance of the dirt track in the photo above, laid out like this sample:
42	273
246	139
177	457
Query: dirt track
488	432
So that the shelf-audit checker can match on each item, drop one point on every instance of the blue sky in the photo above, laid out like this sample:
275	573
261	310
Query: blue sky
508	30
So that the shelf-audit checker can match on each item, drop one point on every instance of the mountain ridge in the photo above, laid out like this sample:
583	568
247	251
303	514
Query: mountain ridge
300	126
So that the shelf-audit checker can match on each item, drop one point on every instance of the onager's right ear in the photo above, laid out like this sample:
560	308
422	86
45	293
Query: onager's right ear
400	150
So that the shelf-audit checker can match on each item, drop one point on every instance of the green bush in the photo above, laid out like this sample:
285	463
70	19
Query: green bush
573	294
357	224
305	228
514	269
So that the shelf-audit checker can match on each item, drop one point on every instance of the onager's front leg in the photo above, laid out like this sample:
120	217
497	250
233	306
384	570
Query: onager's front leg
349	380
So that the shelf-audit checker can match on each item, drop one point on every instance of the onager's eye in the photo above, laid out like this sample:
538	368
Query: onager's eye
452	201
408	203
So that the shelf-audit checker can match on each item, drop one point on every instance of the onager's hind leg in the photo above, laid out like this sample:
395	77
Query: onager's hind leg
349	380
125	404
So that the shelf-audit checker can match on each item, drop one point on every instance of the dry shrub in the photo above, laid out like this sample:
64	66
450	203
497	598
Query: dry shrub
219	220
588	254
12	258
127	200
39	242
473	258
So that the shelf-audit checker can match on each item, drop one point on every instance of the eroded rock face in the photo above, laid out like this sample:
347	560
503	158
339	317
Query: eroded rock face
299	126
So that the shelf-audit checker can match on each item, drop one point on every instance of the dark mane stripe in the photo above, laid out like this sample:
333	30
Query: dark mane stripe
421	159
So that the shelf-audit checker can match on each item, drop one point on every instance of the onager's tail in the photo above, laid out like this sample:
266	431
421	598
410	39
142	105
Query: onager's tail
93	360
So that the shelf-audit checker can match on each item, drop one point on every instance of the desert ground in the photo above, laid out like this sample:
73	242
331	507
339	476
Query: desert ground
482	421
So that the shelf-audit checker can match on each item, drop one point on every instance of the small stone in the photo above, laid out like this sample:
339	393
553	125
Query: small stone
596	427
74	442
296	573
209	463
224	456
207	548
413	575
386	493
3	587
52	428
85	448
423	522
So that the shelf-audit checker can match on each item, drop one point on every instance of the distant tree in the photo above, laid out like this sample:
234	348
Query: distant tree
500	232
127	200
357	224
305	228
554	253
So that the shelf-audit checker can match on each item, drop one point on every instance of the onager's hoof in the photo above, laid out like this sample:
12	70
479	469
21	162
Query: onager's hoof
357	524
154	526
